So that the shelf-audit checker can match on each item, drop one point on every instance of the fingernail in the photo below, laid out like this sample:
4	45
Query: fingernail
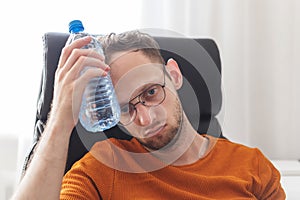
107	68
86	38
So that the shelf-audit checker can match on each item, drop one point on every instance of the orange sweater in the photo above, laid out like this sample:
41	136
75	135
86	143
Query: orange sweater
228	171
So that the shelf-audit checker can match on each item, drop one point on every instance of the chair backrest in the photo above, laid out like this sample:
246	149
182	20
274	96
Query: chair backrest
201	96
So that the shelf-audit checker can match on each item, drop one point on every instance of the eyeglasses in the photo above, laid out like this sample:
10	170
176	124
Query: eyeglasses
150	97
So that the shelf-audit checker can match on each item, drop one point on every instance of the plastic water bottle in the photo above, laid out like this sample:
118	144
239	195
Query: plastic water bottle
99	108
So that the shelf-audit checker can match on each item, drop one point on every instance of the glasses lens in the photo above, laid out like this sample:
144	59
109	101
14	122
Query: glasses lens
153	96
128	113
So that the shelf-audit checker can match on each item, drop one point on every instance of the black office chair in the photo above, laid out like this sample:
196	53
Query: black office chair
201	95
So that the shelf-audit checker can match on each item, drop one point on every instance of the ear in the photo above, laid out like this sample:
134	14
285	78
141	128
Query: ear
175	73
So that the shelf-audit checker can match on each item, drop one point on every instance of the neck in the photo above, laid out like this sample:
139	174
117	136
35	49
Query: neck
197	148
196	151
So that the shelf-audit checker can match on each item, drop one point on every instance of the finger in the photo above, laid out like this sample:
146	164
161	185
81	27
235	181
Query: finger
89	74
67	50
86	62
78	54
78	44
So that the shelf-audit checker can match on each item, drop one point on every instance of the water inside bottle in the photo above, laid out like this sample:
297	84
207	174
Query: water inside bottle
99	105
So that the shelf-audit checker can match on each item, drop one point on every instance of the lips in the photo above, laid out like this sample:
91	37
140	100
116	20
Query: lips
154	131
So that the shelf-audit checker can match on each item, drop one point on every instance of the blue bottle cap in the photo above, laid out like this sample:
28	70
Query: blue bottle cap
75	26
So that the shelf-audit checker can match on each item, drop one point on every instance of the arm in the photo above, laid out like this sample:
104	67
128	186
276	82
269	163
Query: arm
44	175
270	186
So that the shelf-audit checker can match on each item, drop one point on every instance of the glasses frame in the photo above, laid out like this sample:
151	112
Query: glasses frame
143	102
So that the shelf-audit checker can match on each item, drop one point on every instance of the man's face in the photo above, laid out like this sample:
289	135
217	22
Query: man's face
133	74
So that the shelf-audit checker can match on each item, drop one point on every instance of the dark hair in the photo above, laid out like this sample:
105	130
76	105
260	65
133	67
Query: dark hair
131	41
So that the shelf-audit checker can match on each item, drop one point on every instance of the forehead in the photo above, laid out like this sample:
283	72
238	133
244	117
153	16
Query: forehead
132	71
126	62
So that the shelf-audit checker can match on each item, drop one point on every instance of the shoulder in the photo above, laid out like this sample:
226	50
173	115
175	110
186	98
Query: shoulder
112	145
251	164
234	148
89	177
114	153
233	153
240	158
249	157
102	153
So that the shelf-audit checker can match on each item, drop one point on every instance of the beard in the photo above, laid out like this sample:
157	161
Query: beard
169	134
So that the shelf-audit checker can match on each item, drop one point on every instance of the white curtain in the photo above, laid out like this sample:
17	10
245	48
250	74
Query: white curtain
260	48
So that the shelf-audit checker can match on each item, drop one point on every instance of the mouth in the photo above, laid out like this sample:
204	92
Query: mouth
154	131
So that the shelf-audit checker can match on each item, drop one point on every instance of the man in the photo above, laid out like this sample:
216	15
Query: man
166	159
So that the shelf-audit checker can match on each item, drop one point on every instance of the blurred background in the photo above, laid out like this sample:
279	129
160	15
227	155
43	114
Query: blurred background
259	46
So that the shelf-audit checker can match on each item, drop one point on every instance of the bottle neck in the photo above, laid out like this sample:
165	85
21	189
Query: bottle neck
76	31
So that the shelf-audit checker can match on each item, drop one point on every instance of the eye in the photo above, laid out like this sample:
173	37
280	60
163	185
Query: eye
151	91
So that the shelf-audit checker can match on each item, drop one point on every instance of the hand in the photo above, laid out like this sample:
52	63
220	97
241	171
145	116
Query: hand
69	84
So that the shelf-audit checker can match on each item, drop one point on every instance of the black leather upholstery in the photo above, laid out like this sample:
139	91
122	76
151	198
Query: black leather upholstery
201	95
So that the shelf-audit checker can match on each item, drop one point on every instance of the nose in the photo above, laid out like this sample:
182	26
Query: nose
143	115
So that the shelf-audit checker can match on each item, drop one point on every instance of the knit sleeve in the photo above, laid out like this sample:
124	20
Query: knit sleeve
269	186
78	185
